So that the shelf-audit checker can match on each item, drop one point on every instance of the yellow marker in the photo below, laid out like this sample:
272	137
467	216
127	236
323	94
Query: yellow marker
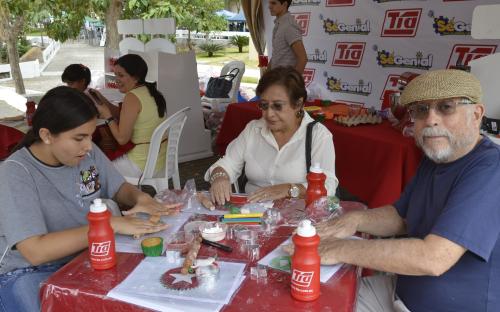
243	215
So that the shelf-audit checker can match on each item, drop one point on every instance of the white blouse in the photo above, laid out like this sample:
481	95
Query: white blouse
266	164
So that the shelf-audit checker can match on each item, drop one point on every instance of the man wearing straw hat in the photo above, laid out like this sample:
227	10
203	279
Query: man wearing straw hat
447	221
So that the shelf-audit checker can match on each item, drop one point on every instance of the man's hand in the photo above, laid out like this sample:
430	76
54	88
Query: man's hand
340	227
150	206
269	193
325	251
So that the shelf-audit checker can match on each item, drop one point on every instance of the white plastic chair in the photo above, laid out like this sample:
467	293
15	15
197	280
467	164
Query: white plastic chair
174	125
220	104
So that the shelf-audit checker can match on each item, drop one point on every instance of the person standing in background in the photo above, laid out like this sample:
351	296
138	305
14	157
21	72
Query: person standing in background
288	49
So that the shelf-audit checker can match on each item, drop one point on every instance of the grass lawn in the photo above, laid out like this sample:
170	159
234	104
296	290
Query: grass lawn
227	55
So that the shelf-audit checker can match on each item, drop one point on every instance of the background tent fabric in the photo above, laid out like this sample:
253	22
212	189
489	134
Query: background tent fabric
357	49
255	23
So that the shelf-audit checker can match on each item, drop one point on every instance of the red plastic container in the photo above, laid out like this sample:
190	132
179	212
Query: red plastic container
238	199
101	237
315	184
263	60
305	263
30	111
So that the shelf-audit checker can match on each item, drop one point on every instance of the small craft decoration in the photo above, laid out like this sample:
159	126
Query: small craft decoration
152	247
176	280
357	120
191	255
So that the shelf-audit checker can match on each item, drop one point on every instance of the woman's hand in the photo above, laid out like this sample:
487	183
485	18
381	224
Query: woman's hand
270	193
130	225
220	190
340	227
104	111
150	206
102	104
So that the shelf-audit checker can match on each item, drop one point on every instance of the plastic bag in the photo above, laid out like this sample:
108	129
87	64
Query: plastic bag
187	196
323	209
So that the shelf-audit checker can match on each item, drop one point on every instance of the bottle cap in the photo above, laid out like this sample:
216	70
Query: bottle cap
98	206
306	229
316	168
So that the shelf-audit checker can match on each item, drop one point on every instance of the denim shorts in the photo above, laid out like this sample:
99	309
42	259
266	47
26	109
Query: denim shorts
19	289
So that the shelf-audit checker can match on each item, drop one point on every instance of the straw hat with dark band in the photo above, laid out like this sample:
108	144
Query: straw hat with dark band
442	84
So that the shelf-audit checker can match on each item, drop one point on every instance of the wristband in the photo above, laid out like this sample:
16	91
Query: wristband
109	120
217	175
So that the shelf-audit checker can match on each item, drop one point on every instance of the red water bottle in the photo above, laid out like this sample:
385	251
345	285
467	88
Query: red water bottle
315	184
30	111
101	237
305	263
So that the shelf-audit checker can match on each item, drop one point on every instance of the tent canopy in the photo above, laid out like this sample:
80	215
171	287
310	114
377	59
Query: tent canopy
225	13
240	17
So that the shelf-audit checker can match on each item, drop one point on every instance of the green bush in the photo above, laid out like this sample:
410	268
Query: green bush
3	53
240	42
211	47
23	45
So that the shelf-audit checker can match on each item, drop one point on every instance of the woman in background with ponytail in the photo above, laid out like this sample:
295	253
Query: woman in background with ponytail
143	109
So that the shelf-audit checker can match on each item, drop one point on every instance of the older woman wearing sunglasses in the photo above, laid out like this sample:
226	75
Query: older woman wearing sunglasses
272	149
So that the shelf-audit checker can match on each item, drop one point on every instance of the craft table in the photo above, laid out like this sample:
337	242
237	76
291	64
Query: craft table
77	287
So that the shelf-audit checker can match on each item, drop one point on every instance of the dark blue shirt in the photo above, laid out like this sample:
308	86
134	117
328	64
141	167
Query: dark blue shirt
459	201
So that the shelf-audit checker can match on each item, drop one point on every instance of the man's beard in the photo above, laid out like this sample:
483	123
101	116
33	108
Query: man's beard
448	153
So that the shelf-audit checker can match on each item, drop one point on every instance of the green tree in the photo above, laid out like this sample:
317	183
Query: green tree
193	15
240	42
211	47
66	19
111	11
12	17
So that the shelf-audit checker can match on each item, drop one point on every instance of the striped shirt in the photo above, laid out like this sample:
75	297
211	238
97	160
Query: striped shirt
286	32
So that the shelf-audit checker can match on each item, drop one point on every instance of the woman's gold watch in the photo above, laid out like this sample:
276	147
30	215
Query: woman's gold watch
294	191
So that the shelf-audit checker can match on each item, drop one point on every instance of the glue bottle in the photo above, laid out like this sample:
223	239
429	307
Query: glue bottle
305	263
101	237
30	111
315	184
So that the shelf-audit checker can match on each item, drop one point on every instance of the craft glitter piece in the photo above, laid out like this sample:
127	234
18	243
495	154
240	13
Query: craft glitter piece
174	279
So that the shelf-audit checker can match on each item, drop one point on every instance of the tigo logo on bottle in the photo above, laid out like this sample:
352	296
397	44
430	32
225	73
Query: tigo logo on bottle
303	20
401	23
462	54
302	279
308	75
100	249
348	54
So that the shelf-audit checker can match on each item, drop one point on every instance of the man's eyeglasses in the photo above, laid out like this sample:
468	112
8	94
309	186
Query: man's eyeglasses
443	108
277	107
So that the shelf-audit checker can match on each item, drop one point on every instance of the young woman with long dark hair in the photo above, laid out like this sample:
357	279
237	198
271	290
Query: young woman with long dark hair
143	109
46	188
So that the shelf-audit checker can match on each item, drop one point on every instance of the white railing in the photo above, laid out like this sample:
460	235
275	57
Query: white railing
49	52
214	35
29	69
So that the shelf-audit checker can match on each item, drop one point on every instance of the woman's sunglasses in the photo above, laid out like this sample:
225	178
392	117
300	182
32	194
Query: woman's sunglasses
277	107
